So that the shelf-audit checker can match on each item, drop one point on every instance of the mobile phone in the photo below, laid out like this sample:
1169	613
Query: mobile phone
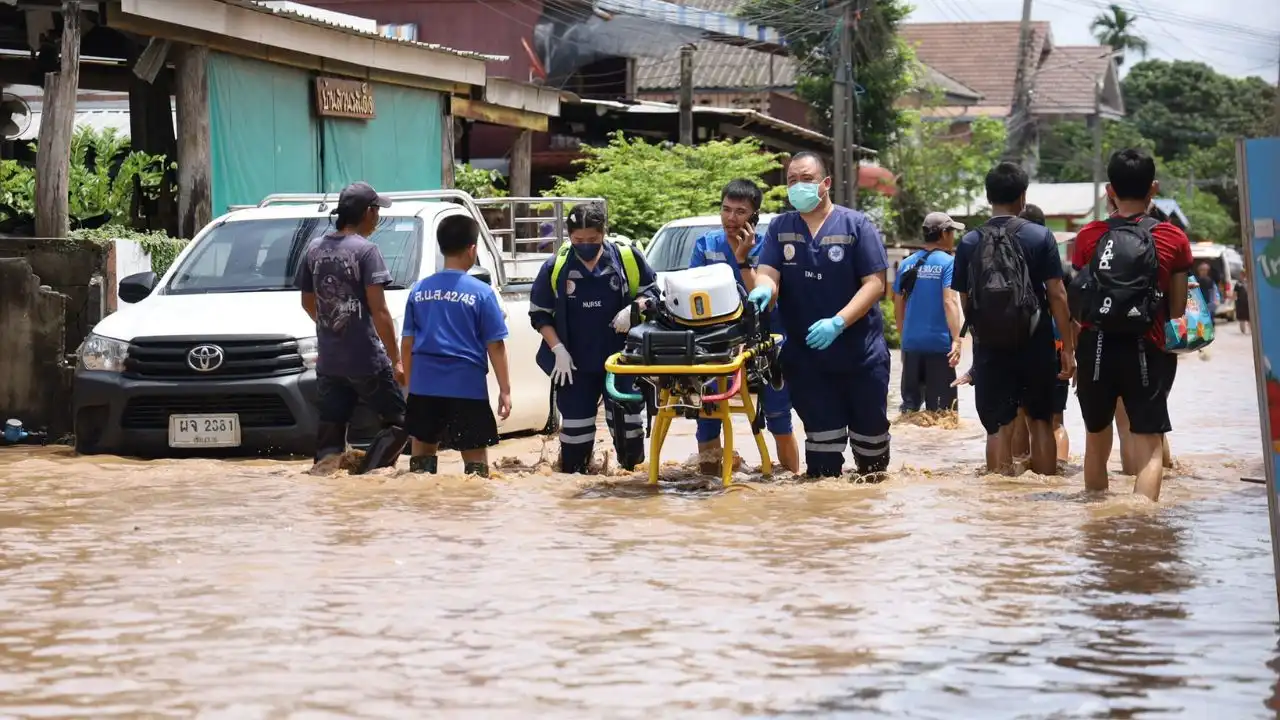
755	219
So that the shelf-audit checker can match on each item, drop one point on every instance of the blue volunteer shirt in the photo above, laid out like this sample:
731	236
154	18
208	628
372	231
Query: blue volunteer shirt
452	317
591	300
714	248
820	275
924	329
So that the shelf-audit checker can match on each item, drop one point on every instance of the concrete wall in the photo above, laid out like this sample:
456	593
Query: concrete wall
35	384
68	267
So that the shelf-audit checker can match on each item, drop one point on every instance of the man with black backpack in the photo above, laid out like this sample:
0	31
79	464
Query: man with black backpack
1009	277
1132	279
927	312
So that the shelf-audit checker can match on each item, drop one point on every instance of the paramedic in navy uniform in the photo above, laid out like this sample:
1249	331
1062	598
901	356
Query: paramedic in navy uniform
825	265
581	304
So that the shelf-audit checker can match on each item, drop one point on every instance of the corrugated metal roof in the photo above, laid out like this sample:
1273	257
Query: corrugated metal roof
694	15
717	66
292	15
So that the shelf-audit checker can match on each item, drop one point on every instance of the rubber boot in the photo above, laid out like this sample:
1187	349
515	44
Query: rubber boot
385	449
424	464
873	470
478	469
331	439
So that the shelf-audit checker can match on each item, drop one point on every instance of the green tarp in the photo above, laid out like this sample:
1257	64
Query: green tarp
266	138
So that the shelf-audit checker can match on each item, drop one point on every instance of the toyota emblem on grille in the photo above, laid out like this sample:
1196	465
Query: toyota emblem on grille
205	358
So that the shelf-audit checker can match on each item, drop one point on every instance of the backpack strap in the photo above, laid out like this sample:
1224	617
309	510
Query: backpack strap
630	266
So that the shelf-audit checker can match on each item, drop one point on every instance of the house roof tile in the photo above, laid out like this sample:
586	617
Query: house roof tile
1065	82
980	55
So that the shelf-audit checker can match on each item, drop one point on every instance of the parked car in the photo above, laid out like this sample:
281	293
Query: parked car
1225	265
672	246
219	355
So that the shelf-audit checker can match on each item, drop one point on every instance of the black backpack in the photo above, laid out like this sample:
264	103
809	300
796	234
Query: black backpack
1002	309
908	283
1119	293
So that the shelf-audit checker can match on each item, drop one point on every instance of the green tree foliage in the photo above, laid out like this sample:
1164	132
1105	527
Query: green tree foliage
882	61
160	248
1115	29
648	185
938	168
1209	219
1066	148
479	183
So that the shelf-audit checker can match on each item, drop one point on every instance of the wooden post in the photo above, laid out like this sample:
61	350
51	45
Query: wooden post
521	175
446	150
686	95
57	123
195	174
839	121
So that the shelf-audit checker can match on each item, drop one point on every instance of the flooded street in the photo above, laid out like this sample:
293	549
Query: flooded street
254	590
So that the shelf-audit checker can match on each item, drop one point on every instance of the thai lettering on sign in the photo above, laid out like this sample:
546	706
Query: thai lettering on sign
337	97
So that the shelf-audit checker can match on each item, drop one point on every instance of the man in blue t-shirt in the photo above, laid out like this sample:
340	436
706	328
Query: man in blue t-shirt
826	266
453	329
737	245
927	312
1004	380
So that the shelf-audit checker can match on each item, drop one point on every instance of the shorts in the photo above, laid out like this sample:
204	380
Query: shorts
337	397
455	423
1004	380
1124	368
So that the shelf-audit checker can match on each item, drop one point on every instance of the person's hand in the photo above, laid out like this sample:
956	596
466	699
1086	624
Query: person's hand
953	357
622	321
504	405
965	379
1067	357
562	373
824	332
743	242
398	371
760	297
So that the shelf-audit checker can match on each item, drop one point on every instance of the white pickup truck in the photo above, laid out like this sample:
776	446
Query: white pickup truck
218	355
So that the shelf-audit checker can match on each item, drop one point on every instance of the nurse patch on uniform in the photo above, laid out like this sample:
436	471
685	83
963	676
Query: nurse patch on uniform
569	287
835	253
788	251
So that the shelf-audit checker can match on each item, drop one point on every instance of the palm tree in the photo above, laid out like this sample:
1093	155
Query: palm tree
1115	30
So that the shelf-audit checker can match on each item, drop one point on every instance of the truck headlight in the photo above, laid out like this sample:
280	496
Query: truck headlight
309	349
103	353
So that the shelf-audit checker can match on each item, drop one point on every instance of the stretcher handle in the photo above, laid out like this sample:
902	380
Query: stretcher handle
612	390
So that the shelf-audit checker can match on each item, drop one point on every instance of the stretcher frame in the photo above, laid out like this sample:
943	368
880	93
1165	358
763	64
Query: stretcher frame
724	410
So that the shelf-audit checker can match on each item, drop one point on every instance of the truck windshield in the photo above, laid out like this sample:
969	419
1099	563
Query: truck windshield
263	255
672	247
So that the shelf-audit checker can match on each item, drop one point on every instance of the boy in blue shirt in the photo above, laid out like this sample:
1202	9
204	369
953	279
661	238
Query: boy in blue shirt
739	212
927	312
453	328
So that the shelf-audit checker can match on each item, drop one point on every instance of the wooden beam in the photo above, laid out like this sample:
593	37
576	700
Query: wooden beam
57	123
279	56
446	151
195	167
521	171
497	115
93	76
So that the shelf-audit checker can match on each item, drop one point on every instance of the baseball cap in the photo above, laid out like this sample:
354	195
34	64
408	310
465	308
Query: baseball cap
939	221
361	196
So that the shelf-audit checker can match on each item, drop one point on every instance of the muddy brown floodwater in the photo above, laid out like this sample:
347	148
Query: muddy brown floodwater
254	590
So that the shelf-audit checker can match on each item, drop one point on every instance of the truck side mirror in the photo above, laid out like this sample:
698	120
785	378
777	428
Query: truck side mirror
482	274
138	286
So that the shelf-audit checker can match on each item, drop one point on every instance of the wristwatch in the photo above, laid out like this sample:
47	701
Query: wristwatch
744	265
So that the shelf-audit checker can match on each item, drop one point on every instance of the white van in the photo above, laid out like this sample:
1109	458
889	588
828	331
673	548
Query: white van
219	355
1226	265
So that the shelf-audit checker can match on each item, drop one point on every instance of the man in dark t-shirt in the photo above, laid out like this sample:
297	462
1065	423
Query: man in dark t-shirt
342	277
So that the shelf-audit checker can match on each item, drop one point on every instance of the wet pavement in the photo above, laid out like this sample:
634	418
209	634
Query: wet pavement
254	590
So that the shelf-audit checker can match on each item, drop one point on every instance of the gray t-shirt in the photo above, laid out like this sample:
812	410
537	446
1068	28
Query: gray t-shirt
338	268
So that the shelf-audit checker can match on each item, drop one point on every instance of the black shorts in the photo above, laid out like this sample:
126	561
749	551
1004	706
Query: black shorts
1004	380
455	423
1124	368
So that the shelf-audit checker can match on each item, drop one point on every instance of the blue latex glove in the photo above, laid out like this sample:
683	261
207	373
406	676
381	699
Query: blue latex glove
760	297
824	332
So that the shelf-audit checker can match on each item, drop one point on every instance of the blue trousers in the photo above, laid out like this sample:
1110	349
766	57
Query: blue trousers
777	415
579	403
841	409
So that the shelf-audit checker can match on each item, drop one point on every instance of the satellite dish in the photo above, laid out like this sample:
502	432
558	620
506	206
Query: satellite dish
15	116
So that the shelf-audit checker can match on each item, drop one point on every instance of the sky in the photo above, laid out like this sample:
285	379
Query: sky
1236	37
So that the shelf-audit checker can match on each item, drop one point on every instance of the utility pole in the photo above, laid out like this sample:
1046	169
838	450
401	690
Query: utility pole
686	95
1096	121
840	89
853	119
57	124
1020	123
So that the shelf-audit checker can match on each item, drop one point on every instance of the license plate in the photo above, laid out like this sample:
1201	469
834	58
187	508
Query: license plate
211	431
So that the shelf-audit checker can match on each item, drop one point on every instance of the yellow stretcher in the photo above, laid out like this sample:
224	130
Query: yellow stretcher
717	406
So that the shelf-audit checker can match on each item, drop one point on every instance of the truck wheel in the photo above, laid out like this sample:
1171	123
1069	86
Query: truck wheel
553	416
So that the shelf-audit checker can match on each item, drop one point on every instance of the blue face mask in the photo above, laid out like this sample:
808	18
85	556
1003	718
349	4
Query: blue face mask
804	196
587	251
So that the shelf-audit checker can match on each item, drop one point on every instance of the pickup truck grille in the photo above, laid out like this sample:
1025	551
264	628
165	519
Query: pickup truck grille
255	411
228	358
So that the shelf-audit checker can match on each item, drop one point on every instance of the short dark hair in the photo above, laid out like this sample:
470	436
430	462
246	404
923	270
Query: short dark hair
456	234
587	216
348	215
1131	173
809	155
1006	183
743	189
1033	214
